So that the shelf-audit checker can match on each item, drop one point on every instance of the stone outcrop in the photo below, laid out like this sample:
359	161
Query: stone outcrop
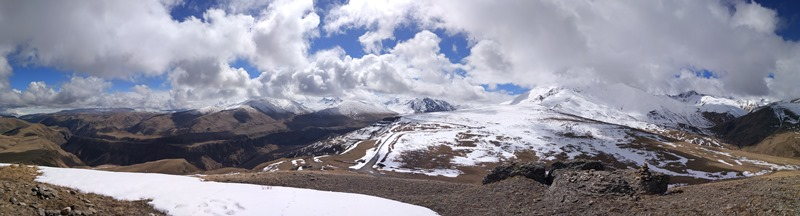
535	171
581	177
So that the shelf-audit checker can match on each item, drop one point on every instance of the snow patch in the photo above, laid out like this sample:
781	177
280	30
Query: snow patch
185	195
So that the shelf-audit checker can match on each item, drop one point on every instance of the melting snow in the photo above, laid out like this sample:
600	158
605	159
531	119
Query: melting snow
184	195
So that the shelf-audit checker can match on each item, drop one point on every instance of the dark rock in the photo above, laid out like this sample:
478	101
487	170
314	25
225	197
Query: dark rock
572	165
535	171
52	212
44	192
644	181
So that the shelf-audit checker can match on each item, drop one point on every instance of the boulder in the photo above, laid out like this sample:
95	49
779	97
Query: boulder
66	211
535	171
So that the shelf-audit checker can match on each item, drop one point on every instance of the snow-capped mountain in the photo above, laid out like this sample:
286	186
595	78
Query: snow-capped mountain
276	108
419	105
621	125
772	129
617	104
467	138
708	103
353	109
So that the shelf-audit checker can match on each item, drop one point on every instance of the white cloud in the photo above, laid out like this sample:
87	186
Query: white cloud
82	92
415	67
126	40
640	43
754	16
528	42
386	15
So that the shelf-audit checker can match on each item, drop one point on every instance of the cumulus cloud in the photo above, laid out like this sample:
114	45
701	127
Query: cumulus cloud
117	39
415	67
755	16
384	15
640	43
77	92
652	45
127	40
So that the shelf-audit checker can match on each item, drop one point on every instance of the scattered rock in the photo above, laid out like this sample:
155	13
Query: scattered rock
52	212
13	200
572	165
535	171
90	211
577	183
44	192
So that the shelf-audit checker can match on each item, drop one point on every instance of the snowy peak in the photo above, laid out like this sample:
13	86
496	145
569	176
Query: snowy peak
419	105
787	111
276	107
538	95
714	104
688	97
425	105
353	108
617	103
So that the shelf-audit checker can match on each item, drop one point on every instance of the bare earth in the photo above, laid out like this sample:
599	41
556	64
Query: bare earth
774	194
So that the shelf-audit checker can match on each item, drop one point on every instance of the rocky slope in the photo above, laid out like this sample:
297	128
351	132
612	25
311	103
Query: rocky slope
21	195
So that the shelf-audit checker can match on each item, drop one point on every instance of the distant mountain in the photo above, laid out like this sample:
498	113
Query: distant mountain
616	125
772	129
419	105
98	110
241	135
27	143
277	108
709	103
617	104
354	109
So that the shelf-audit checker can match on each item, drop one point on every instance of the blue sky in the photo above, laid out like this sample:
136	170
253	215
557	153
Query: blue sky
455	47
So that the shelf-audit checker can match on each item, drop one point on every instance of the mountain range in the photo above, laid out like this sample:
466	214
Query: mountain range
693	136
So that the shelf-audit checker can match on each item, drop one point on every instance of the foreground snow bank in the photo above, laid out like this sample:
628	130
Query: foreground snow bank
183	195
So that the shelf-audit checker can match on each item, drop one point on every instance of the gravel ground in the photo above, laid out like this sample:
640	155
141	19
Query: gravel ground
21	195
777	194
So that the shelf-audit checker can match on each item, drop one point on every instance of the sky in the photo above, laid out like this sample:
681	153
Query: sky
173	54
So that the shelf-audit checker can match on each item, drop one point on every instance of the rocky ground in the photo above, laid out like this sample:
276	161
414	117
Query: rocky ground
571	192
21	195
